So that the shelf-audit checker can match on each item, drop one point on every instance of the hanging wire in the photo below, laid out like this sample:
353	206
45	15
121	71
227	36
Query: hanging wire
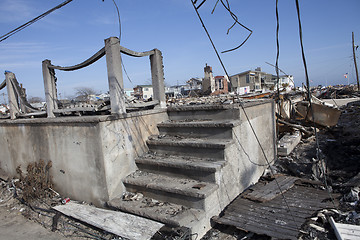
245	113
27	24
234	17
119	21
277	48
207	33
310	103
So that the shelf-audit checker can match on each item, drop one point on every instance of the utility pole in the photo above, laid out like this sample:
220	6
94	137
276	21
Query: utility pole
357	74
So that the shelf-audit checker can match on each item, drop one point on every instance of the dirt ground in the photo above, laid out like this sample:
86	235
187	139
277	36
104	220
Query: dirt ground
13	225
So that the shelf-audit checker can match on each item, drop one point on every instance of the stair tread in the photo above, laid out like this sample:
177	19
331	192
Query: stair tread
192	163
194	142
165	212
199	123
182	186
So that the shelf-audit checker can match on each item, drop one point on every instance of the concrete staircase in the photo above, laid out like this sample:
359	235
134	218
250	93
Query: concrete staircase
187	176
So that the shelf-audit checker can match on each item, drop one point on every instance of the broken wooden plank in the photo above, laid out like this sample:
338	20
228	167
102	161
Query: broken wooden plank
345	231
275	218
118	223
271	190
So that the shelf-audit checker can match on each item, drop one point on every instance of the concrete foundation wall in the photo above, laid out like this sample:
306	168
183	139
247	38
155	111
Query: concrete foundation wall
90	155
246	161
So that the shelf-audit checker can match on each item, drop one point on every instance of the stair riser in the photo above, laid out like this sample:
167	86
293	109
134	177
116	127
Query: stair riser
220	114
187	201
197	132
196	174
188	151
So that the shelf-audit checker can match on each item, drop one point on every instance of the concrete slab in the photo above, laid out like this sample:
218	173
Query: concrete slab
287	143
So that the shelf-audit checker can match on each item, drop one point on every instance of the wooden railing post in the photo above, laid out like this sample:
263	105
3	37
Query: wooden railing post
115	76
50	89
13	98
157	75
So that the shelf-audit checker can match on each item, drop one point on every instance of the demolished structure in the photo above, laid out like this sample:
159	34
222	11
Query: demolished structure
192	161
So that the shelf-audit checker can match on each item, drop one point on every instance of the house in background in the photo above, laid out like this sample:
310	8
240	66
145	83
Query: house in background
143	92
221	85
177	91
195	83
195	87
286	81
256	80
129	92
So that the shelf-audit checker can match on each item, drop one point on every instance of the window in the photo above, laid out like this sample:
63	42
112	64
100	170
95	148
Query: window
146	89
247	79
145	96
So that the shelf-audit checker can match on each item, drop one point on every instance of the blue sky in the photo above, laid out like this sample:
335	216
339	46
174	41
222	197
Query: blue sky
76	31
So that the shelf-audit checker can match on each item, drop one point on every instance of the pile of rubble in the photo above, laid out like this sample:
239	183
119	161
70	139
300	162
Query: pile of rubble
218	99
336	92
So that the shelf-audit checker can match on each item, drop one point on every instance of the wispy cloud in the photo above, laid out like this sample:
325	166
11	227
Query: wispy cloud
19	65
325	48
103	20
15	10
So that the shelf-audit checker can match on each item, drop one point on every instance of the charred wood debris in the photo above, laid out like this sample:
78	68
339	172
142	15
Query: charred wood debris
334	160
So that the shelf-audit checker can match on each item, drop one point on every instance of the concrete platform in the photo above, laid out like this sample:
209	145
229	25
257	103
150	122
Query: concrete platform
203	157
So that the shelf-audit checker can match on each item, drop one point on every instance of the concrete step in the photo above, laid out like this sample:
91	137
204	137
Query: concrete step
173	215
182	191
203	112
188	147
201	169
198	128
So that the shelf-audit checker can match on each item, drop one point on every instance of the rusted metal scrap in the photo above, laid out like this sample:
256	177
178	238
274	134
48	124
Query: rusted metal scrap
320	114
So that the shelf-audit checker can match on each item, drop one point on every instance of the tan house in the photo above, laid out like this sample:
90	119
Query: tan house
256	80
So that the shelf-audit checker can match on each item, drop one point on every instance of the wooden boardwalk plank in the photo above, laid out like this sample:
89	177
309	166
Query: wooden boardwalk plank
271	190
272	217
118	223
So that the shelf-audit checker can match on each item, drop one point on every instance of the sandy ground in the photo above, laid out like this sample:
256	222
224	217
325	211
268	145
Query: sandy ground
14	226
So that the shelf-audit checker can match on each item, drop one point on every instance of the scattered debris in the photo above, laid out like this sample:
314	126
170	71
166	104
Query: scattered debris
15	196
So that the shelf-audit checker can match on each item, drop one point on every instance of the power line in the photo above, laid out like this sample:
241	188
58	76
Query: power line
27	24
120	32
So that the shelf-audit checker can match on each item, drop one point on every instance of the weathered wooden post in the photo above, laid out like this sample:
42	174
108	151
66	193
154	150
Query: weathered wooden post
115	76
13	101
50	89
157	75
